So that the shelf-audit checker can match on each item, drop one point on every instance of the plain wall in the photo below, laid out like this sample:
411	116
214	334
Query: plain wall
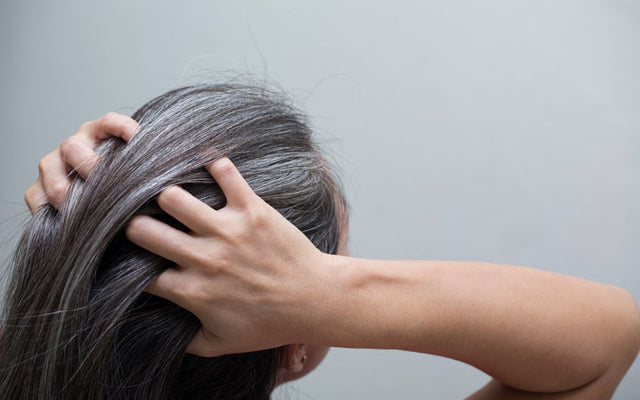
499	131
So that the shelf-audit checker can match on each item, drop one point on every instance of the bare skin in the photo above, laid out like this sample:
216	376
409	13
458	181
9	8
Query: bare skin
75	154
540	335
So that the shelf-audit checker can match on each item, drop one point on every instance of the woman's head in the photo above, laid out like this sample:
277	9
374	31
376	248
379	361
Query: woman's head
77	323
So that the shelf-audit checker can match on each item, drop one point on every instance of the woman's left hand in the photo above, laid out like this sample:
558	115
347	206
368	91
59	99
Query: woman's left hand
75	153
249	275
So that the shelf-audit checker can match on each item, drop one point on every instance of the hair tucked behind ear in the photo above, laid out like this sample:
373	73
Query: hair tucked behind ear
77	323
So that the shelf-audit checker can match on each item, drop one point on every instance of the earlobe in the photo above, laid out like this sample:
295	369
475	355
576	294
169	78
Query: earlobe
296	357
298	360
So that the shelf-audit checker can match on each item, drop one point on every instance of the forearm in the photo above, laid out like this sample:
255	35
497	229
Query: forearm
530	329
256	282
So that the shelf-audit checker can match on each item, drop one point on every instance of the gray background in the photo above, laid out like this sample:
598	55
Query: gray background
501	131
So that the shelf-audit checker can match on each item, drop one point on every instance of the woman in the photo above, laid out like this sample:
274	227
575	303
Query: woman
77	323
255	282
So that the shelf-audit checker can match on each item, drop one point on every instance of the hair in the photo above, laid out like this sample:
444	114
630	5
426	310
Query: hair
77	322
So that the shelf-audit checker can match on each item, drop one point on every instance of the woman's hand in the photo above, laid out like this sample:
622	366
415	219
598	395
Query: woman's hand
249	275
75	153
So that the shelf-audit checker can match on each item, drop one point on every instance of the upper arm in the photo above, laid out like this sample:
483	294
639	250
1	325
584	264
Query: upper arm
600	389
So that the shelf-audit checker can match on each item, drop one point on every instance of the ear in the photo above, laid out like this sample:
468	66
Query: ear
294	358
298	360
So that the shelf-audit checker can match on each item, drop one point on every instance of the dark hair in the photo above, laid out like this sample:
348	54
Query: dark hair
77	324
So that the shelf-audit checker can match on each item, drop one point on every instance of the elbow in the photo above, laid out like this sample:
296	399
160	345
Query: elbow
633	334
627	331
624	341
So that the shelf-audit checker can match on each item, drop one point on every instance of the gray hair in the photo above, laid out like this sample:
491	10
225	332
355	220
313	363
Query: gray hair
77	324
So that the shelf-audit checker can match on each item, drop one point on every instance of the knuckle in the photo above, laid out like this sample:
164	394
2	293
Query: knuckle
201	292
212	264
200	259
169	198
57	191
111	115
233	234
181	289
256	218
194	292
136	224
223	167
68	146
41	166
135	229
28	196
85	126
110	120
44	162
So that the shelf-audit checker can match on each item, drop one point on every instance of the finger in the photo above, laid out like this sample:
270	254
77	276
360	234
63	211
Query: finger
160	238
110	124
168	285
78	150
235	188
183	206
55	181
35	197
76	153
204	345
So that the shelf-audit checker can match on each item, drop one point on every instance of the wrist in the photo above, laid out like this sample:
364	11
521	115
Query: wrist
373	304
354	304
326	300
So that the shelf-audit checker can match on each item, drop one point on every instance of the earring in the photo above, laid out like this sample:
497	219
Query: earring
304	359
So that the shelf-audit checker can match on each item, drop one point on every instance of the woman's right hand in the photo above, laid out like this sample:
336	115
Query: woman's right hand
250	276
75	153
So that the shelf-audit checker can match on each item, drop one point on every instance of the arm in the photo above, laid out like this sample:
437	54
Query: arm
531	330
255	282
